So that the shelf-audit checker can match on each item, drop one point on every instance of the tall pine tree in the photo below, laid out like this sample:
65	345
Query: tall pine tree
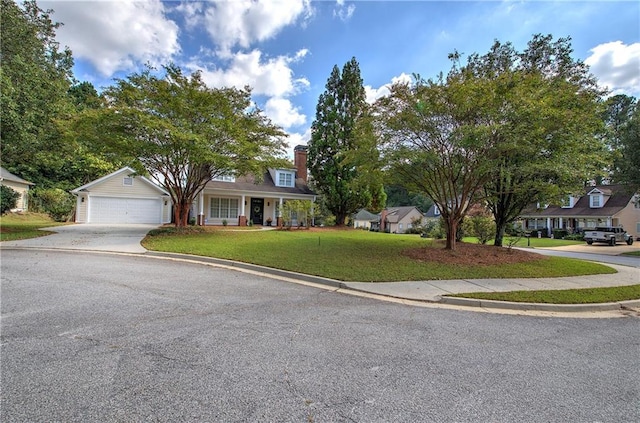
342	144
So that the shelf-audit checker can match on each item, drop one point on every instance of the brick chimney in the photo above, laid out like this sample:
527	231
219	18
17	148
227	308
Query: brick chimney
300	161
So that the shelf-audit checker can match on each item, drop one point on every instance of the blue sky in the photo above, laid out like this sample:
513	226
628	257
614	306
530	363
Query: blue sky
286	49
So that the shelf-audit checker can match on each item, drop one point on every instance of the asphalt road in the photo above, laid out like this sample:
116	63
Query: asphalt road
90	337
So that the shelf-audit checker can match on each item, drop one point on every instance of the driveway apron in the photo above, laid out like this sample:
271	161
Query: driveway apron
121	238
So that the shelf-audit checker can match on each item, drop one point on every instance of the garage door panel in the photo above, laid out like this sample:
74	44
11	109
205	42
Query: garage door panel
124	210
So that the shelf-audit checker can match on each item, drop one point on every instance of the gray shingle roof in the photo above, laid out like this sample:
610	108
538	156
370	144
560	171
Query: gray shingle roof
5	175
267	185
618	200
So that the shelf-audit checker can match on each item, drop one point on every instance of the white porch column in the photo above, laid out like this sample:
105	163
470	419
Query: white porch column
201	209
88	200
549	228
608	220
560	224
279	221
242	205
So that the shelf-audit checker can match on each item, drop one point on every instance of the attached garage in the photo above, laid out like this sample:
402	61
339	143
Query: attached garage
125	210
122	197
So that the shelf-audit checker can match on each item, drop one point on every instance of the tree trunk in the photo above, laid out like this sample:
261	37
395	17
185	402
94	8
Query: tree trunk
181	214
340	218
452	230
500	229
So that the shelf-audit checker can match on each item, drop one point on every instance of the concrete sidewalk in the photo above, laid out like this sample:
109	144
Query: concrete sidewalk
437	291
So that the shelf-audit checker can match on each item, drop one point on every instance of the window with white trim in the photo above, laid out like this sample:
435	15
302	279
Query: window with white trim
568	202
223	208
127	181
284	179
595	201
225	178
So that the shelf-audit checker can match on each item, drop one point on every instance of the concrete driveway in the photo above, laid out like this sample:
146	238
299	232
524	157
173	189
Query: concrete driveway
121	238
598	248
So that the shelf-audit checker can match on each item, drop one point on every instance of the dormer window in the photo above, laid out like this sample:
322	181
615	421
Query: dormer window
568	202
225	178
436	210
595	200
284	178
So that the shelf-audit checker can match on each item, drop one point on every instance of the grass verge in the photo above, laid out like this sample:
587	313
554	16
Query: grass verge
350	255
632	254
532	242
565	296
15	226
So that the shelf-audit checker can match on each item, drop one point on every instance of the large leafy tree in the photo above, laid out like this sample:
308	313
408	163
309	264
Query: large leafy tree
342	155
35	76
181	132
622	126
628	166
436	144
544	109
36	91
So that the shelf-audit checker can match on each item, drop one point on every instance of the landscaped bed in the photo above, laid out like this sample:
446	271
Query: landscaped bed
355	255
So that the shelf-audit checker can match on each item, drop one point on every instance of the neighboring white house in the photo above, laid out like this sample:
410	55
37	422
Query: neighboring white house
122	197
19	185
365	219
237	201
601	205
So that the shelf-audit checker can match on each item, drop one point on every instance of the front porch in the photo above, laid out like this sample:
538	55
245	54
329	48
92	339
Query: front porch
570	224
241	209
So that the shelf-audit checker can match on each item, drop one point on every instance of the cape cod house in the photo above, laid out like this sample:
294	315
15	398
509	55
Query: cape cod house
601	205
238	201
398	220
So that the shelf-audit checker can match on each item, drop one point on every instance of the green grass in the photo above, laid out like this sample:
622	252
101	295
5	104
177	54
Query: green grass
350	255
534	242
14	226
631	253
566	296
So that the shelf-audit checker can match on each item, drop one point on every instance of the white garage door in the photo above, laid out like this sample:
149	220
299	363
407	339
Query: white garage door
124	210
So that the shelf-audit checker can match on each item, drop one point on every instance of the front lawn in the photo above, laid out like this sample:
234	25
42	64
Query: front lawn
14	226
353	255
565	296
533	242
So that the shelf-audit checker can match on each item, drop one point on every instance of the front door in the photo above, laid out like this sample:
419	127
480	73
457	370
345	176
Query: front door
257	210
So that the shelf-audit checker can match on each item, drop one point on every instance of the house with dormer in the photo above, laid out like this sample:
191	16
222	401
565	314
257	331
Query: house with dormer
600	205
125	197
238	201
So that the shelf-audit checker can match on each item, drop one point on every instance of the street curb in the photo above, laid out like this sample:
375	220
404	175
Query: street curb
455	301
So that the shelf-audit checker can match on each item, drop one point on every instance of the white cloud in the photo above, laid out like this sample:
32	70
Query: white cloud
116	35
375	93
296	138
617	66
272	77
344	13
283	113
243	22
